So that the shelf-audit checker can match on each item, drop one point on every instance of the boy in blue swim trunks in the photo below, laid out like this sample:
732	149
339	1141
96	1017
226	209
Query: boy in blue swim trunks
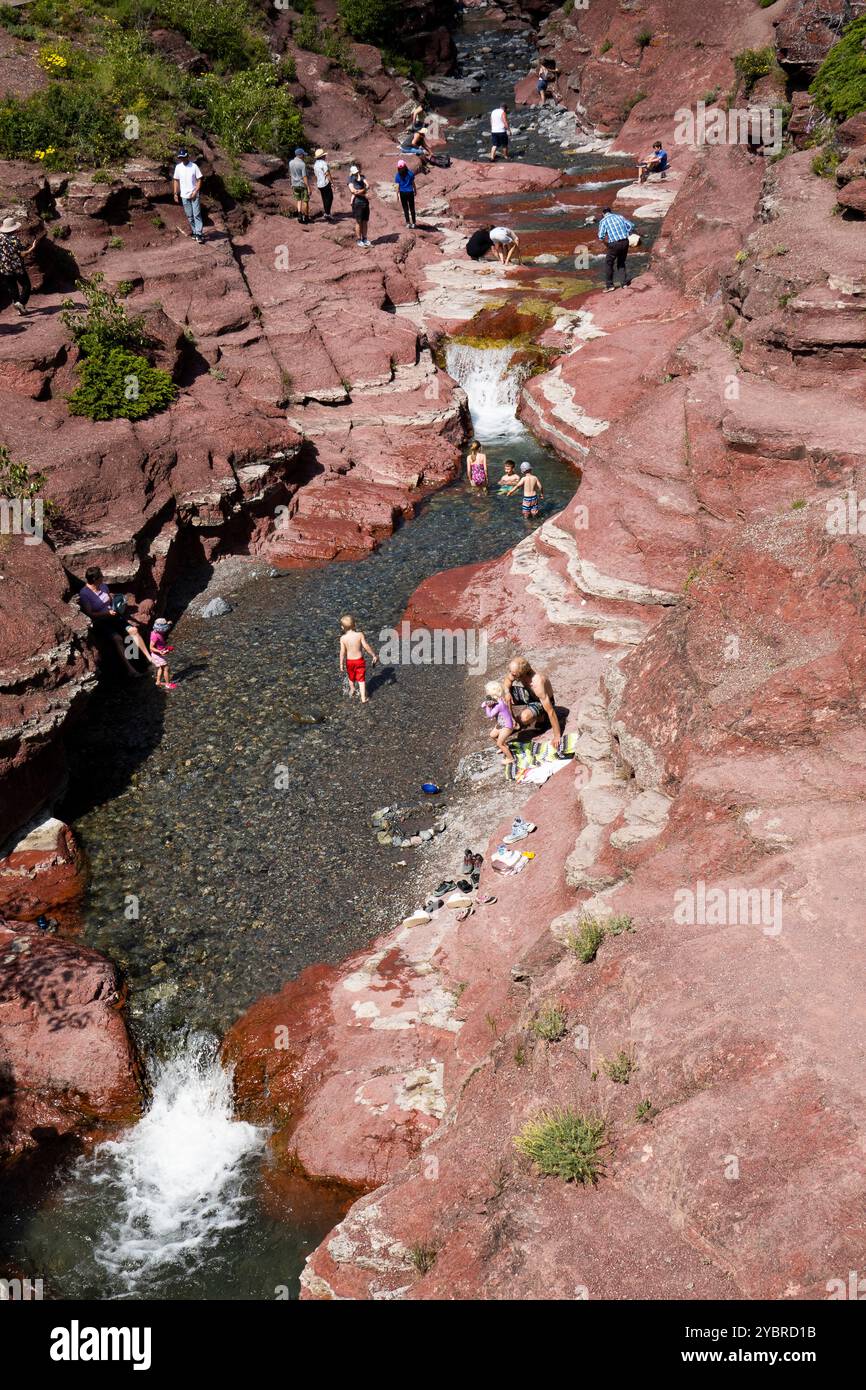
533	492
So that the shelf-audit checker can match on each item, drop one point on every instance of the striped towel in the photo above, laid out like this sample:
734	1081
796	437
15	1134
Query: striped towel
534	754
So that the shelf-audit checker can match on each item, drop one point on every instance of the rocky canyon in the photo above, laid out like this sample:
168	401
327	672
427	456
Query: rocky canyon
674	979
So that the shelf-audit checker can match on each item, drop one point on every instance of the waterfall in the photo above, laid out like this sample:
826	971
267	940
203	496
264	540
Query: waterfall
178	1179
492	389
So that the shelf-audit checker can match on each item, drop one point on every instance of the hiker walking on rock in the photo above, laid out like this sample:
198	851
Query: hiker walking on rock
186	182
13	274
615	230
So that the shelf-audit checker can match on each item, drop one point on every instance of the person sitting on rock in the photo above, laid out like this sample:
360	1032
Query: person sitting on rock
13	273
526	690
108	618
655	163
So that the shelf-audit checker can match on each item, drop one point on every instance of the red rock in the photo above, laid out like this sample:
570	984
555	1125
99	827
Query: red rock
67	1062
853	196
809	28
43	874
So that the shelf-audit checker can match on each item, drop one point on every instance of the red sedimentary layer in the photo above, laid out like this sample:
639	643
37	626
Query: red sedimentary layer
700	604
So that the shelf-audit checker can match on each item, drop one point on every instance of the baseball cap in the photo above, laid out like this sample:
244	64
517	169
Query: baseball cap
525	467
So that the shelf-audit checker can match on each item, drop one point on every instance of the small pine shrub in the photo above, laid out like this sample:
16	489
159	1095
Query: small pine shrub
644	38
120	385
564	1144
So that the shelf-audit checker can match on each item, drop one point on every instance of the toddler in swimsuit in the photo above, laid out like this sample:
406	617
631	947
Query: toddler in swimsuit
353	644
158	649
495	707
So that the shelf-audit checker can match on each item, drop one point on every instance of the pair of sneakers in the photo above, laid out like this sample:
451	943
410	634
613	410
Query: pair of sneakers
366	244
520	828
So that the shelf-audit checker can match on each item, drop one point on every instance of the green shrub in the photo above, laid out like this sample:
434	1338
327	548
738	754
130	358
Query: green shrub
16	481
226	30
645	1111
119	384
564	1144
620	1067
251	110
103	323
71	118
631	103
587	939
826	162
644	38
549	1023
237	187
840	85
369	20
752	64
606	46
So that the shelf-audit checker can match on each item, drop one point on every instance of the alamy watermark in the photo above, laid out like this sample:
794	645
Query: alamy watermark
23	516
706	905
846	516
740	125
438	646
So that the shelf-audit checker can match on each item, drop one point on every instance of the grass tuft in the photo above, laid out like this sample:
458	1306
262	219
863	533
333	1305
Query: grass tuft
564	1144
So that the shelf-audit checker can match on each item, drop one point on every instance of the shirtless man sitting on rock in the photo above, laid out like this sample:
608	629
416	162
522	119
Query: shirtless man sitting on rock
529	695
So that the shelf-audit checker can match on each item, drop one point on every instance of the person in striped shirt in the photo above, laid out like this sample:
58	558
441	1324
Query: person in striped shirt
614	230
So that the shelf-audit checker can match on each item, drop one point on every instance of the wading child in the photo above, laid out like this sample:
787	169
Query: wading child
495	707
476	466
353	644
158	650
510	478
533	492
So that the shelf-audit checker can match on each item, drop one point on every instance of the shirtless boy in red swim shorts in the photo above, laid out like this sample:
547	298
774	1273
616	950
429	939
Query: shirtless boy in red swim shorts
353	644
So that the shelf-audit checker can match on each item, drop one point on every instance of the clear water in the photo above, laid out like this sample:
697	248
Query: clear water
211	885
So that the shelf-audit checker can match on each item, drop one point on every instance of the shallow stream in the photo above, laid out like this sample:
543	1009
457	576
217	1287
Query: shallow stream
227	826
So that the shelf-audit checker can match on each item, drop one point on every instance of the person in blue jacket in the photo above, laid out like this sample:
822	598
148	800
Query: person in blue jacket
405	181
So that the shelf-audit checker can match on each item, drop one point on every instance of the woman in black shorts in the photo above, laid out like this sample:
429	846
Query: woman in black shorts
359	189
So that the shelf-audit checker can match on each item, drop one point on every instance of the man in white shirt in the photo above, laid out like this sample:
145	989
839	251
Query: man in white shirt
186	182
499	131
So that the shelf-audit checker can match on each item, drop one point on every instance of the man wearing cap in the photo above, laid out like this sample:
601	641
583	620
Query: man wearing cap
300	184
13	274
186	181
322	172
615	230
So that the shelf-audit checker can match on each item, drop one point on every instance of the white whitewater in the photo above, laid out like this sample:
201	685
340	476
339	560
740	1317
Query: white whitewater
178	1179
492	387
